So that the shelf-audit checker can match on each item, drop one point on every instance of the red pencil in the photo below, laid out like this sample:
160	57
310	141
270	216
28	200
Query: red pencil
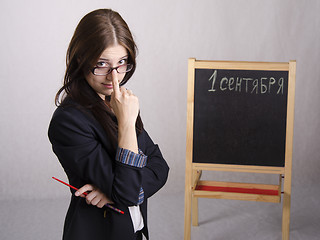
107	205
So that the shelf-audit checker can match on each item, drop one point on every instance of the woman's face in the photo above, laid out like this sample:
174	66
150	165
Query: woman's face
113	56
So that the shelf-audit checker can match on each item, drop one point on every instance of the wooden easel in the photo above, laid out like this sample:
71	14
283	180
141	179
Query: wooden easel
195	188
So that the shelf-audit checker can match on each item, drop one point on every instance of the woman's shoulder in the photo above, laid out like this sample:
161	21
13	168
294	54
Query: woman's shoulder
71	109
72	121
71	115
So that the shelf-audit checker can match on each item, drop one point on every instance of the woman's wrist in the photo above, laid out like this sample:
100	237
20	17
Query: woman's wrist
127	137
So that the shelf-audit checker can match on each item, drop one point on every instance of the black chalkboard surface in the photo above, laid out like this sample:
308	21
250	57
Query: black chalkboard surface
240	117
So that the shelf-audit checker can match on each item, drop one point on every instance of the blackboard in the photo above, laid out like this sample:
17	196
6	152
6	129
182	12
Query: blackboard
240	117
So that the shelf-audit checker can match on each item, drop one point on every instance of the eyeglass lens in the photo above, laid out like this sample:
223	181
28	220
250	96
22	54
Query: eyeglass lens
107	70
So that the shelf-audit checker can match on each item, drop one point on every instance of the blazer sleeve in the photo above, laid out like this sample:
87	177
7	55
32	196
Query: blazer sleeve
152	173
156	171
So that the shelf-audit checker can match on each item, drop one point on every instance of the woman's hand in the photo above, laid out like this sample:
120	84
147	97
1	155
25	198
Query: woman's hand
94	197
124	103
125	106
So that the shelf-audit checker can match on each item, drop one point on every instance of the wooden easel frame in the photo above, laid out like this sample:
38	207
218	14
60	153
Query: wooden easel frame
194	170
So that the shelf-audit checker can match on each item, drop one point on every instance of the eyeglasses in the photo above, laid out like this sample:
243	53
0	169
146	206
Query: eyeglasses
103	71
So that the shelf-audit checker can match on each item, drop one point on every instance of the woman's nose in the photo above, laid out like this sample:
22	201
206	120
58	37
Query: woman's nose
109	76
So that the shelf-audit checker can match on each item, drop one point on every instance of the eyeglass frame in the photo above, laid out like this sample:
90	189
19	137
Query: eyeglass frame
111	69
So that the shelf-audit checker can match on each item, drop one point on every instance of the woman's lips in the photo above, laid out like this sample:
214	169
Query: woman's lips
109	86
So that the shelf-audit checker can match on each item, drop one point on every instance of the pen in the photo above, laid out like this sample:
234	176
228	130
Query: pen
107	205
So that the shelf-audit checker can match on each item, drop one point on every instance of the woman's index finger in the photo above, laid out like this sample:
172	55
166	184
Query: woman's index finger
115	83
84	189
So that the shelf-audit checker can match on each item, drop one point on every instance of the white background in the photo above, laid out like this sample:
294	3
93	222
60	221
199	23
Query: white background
33	43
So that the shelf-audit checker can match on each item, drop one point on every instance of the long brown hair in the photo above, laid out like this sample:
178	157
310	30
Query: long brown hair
95	32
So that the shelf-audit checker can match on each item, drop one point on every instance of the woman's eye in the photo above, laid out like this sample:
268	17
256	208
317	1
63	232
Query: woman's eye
123	61
102	64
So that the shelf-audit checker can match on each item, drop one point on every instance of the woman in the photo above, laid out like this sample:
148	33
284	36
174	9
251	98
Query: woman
98	136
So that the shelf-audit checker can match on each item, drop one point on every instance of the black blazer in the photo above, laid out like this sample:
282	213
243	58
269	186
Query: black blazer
83	150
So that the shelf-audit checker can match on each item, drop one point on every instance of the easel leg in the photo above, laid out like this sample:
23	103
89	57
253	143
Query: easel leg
187	214
187	203
194	211
286	216
196	175
286	207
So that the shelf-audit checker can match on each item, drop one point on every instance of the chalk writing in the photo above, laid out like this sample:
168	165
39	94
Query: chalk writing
261	85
